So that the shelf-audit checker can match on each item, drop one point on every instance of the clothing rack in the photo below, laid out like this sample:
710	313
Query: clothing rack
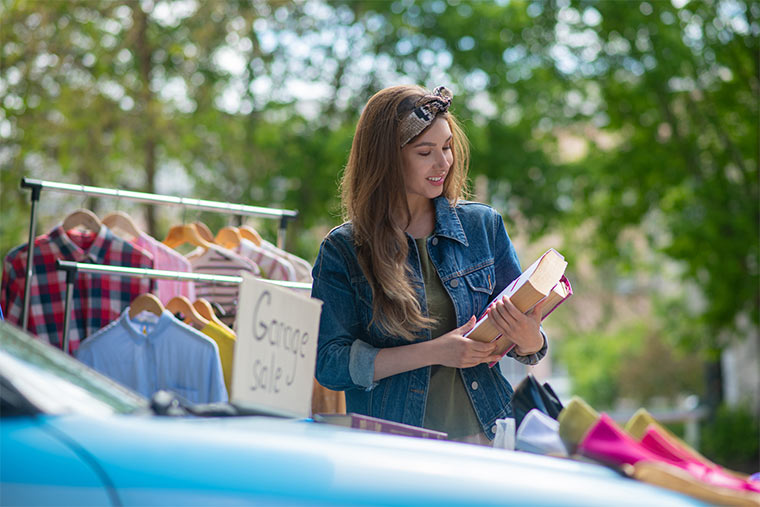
73	268
36	187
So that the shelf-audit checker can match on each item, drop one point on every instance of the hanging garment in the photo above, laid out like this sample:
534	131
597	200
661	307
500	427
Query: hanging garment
216	260
170	260
272	266
149	353
303	268
97	299
225	341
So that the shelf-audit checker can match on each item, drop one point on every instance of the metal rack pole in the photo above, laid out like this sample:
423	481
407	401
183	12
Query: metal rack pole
70	277
73	268
36	190
168	200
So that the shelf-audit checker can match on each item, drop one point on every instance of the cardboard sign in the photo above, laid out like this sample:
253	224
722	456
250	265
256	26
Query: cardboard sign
276	348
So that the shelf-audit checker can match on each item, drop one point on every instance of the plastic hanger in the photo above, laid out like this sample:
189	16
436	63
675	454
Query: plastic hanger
207	312
146	302
118	221
181	305
185	233
82	218
229	237
250	234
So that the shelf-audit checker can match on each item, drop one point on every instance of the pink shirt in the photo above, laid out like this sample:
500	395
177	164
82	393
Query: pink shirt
170	260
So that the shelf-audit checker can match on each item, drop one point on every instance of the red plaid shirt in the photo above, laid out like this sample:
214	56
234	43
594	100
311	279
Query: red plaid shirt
97	299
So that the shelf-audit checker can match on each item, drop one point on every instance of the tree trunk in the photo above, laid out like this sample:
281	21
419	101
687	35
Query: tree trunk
144	54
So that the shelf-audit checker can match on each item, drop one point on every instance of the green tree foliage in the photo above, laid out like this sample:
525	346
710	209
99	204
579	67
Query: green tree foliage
633	363
730	438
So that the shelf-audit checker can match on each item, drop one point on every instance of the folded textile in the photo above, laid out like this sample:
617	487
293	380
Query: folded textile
574	422
539	434
505	434
654	441
608	443
677	479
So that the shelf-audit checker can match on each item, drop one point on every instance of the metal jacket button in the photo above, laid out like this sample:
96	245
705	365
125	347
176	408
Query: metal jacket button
454	283
434	241
474	386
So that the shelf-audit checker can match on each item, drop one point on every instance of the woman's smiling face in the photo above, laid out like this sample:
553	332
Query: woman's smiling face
427	160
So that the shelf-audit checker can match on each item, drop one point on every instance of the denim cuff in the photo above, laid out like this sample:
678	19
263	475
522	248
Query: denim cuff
361	364
531	359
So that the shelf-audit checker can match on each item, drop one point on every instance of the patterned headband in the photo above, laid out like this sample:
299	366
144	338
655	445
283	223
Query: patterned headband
424	114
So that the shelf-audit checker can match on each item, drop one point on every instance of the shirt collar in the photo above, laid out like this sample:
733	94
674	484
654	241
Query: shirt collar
447	222
153	330
70	250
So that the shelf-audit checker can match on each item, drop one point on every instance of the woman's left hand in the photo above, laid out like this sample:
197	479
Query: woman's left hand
522	329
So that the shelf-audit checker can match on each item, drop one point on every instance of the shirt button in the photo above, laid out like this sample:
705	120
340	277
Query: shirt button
454	283
474	386
434	241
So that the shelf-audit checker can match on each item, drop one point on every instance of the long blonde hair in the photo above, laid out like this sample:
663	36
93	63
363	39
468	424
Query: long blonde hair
374	196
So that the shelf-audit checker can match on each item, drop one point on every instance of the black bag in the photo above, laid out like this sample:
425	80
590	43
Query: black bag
529	394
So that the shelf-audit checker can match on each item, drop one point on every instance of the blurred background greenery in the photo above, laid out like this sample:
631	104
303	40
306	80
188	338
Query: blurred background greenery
622	133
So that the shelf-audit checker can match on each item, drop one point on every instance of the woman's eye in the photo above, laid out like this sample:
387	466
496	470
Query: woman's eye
447	147
424	153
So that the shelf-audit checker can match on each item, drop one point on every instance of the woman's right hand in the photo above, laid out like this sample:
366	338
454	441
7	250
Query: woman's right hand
457	351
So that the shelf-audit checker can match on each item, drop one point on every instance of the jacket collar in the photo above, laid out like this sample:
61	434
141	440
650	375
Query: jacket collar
447	222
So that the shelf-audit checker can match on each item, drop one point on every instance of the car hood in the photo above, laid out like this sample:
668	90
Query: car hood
275	461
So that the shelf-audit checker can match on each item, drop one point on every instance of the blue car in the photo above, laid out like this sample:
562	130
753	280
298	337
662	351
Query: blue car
69	436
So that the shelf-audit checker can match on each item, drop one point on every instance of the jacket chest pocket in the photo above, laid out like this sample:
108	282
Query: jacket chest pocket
479	285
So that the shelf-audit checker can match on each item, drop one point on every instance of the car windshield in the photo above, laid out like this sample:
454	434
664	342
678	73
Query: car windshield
56	383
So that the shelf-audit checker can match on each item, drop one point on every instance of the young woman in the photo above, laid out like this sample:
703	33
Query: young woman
405	277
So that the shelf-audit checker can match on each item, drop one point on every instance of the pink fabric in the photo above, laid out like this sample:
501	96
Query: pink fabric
167	259
608	443
654	441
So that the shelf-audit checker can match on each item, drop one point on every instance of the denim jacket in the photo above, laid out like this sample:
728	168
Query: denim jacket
475	260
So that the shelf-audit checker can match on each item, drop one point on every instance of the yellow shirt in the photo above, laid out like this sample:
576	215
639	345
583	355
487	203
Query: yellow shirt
225	340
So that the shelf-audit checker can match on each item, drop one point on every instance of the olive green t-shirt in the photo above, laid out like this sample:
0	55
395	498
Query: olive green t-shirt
448	406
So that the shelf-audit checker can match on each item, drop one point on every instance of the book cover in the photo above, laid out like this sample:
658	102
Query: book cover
544	279
369	423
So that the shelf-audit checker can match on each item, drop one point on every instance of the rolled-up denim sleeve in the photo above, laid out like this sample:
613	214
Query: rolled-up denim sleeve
344	361
361	365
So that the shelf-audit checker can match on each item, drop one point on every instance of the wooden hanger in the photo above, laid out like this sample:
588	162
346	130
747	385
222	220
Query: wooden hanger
250	234
82	218
207	312
185	233
119	221
181	305
229	237
204	231
146	302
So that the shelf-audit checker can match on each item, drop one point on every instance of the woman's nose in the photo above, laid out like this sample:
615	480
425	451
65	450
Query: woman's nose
440	159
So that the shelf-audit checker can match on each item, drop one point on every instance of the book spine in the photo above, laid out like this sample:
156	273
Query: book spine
382	426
